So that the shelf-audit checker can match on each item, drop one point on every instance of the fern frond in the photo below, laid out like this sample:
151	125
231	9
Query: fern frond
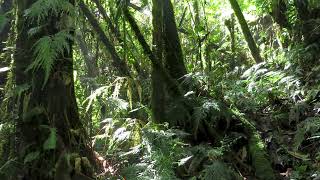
311	125
47	49
219	171
41	9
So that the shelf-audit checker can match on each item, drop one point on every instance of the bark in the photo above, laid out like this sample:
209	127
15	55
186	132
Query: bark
158	97
172	83
117	62
255	52
166	105
162	81
43	107
174	60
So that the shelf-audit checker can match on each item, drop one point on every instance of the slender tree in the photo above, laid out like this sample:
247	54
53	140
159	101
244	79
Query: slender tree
255	52
158	98
118	63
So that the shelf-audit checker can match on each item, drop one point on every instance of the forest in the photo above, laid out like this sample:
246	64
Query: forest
159	89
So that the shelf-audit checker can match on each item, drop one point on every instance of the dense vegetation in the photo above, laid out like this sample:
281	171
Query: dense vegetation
159	89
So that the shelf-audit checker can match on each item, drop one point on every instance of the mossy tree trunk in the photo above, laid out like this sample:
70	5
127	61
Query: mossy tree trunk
158	96
168	52
174	60
48	127
255	52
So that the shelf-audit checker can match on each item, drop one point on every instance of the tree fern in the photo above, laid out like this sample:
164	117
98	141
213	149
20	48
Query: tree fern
47	49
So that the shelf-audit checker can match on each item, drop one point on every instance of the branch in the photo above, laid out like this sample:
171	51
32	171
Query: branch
117	61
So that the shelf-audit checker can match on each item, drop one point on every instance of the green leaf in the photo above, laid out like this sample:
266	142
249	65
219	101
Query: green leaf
298	155
51	142
184	161
31	156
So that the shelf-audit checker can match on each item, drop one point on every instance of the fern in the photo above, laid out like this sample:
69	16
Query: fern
47	49
219	171
310	125
41	9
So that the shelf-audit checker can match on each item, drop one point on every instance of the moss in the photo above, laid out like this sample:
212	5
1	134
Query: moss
259	159
257	151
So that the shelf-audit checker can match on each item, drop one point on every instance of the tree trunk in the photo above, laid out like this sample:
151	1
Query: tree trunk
174	60
255	52
48	124
158	95
167	105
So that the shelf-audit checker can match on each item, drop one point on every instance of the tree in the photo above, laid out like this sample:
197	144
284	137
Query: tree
118	63
255	52
168	53
49	131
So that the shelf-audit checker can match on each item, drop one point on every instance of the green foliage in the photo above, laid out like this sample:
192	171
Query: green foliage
41	9
284	88
48	50
50	143
220	171
311	125
262	165
158	154
31	157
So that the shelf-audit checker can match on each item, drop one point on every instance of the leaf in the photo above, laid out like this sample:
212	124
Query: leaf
51	142
298	155
184	161
129	93
31	157
4	69
33	112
